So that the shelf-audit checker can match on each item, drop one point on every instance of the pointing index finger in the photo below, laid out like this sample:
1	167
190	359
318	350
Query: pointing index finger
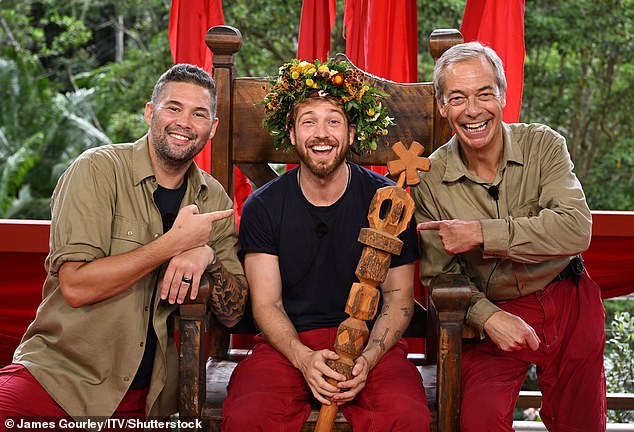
431	225
221	214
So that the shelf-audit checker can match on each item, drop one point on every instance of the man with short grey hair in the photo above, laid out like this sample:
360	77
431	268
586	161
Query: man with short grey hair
502	205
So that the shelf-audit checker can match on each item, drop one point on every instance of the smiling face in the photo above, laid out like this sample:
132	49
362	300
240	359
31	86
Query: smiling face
180	123
472	104
321	135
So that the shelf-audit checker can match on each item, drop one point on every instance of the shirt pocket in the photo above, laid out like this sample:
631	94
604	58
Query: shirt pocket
128	235
527	209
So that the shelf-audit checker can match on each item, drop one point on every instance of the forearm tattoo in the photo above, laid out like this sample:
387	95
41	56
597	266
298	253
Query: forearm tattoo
397	334
228	294
381	341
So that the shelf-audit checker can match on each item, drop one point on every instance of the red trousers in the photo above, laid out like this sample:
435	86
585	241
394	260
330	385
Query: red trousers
267	393
569	321
22	396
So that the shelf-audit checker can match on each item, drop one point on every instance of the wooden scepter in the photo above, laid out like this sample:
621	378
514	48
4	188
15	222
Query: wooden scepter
390	212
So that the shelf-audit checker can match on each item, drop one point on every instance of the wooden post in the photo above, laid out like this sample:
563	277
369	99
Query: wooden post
224	42
192	371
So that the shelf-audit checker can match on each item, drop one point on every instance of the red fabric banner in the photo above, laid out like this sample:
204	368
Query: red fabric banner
315	28
499	24
382	37
394	54
189	22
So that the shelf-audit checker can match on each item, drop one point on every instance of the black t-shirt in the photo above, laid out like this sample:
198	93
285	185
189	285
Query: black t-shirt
317	247
168	202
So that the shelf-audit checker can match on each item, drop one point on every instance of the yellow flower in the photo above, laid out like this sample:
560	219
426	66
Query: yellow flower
370	111
359	95
323	69
295	75
310	82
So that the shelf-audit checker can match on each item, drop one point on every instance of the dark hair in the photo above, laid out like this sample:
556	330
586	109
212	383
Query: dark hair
186	73
463	52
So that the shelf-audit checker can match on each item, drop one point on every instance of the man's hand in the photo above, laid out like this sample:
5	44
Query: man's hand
352	387
192	229
511	333
457	235
191	232
189	265
312	365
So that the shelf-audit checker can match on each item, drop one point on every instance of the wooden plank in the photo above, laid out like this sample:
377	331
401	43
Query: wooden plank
616	401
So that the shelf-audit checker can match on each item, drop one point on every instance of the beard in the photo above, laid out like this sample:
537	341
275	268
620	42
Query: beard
323	169
174	156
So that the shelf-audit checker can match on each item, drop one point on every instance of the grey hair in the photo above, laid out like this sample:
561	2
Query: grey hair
187	73
463	52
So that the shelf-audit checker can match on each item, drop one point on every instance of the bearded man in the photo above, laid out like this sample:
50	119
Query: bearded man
298	239
134	227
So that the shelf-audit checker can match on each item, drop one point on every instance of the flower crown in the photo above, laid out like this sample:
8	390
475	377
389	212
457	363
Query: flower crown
298	80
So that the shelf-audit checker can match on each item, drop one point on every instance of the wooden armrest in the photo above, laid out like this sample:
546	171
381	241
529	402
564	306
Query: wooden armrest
197	308
450	297
193	352
449	294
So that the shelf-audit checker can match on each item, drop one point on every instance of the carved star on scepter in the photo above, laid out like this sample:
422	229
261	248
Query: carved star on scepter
408	163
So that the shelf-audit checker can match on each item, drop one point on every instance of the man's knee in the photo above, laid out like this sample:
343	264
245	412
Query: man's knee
488	410
413	416
261	411
402	413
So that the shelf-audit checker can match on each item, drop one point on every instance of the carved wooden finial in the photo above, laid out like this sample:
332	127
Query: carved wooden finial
408	164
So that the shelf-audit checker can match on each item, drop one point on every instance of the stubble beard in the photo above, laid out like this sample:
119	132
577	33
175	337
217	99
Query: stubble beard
320	169
168	156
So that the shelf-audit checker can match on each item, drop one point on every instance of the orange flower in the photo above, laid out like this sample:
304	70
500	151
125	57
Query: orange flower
337	79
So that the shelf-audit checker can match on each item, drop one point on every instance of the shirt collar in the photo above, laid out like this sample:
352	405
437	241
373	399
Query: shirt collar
142	167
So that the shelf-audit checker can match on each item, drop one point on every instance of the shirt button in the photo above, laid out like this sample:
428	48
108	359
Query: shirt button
156	235
130	233
142	344
147	308
126	379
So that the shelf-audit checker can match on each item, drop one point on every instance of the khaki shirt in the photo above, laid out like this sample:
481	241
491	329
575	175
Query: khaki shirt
540	220
103	205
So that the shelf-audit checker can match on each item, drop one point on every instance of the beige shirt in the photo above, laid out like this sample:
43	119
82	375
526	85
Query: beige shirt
540	220
103	205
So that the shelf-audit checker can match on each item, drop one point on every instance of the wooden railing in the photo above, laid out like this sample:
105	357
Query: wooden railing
24	246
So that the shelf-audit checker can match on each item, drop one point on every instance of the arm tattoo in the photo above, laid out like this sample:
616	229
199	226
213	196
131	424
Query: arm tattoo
228	294
397	335
391	291
381	342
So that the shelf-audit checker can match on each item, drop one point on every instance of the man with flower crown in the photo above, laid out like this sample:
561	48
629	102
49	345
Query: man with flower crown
298	239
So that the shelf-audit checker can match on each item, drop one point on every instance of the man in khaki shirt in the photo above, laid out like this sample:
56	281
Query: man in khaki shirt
134	227
502	205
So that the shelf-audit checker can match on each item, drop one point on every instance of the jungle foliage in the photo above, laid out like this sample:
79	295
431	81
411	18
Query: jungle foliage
77	74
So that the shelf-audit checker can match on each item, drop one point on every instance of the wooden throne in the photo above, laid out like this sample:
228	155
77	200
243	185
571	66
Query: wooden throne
206	360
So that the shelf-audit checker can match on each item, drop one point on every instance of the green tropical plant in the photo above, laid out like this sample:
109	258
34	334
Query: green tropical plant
40	133
619	369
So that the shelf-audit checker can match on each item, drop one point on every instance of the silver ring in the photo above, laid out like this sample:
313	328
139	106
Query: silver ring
187	280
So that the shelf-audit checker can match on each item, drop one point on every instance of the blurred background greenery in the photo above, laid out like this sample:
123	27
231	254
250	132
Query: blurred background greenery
77	74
